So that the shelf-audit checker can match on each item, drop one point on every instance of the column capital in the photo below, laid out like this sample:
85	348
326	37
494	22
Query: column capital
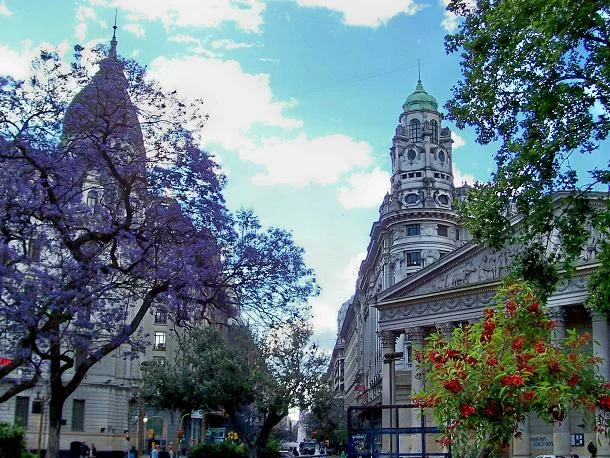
415	333
557	313
596	316
388	338
445	328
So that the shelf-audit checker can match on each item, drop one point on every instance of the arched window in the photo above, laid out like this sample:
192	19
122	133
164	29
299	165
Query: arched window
434	131
92	199
414	130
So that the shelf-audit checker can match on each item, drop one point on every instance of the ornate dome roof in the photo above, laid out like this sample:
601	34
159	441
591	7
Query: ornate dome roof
102	111
420	100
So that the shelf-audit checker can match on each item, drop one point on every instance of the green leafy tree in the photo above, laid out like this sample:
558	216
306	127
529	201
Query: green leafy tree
327	416
256	381
536	81
481	383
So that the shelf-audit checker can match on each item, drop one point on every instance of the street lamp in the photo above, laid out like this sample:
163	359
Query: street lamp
163	425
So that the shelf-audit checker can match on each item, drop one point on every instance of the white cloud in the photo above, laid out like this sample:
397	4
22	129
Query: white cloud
364	189
302	161
136	29
234	99
459	179
4	11
186	39
366	13
246	14
458	141
230	44
196	45
84	14
451	21
15	63
326	307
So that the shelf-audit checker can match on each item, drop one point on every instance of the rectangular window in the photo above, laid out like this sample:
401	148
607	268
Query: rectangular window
22	410
442	230
78	415
457	234
413	258
159	340
160	317
413	229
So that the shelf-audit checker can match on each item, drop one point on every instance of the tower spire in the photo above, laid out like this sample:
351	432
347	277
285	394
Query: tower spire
113	42
418	71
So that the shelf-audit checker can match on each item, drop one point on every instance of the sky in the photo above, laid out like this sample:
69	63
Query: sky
303	98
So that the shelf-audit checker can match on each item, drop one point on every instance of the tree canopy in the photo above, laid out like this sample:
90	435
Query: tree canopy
110	209
255	380
536	82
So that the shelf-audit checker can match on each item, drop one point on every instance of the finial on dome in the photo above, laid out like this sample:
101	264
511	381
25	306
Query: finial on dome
418	71
113	42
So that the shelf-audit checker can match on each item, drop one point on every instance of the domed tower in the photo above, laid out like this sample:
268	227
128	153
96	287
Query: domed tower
418	215
102	133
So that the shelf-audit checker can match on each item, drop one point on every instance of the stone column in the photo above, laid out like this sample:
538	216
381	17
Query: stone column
522	446
561	430
599	331
416	336
388	345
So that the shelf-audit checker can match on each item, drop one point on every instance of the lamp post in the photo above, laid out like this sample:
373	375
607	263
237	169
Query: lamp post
42	399
164	425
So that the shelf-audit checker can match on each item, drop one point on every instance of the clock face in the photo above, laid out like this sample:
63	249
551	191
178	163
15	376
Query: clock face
441	156
443	199
411	155
412	198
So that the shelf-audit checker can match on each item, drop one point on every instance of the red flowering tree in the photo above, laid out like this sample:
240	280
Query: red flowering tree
482	382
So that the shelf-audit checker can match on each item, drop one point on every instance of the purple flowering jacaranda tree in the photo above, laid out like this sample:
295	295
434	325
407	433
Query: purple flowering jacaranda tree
109	208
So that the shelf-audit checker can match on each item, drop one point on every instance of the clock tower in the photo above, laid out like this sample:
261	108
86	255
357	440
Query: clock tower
418	216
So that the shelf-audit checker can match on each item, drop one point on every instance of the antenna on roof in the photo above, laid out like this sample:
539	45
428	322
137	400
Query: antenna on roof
418	71
112	53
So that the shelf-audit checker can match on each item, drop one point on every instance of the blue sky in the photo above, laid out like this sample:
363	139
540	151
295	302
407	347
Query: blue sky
303	98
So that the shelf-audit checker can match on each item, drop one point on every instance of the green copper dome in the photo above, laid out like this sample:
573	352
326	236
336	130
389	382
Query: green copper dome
420	100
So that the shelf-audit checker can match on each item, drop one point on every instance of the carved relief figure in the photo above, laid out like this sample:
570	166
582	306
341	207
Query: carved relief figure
430	256
462	277
487	268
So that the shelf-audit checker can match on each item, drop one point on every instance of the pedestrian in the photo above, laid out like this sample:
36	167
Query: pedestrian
132	452
163	453
84	450
343	455
154	453
93	451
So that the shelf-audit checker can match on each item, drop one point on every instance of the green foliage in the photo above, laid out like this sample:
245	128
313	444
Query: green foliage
12	442
482	382
535	81
222	450
327	416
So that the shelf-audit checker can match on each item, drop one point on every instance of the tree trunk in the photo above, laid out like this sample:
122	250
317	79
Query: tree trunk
271	420
56	405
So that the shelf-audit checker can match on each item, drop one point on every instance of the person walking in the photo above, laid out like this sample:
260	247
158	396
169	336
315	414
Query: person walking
93	451
163	453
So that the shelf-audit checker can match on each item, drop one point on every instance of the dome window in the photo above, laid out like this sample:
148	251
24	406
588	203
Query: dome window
412	198
434	131
441	156
414	127
411	155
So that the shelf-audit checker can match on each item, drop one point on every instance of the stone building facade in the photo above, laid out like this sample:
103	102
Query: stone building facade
422	272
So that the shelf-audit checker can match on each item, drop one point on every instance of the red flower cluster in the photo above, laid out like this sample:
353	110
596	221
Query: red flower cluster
488	329
573	380
604	402
539	346
554	366
529	396
534	308
491	409
445	441
453	354
517	344
453	385
511	307
492	361
512	380
467	410
436	358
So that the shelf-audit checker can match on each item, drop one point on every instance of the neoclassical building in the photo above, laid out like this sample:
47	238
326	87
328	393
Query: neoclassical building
422	273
